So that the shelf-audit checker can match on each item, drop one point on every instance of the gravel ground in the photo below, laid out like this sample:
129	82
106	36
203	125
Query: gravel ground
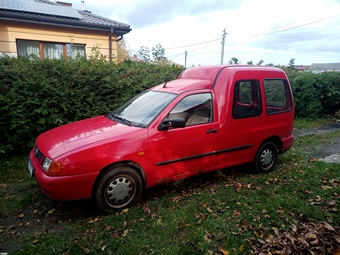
329	153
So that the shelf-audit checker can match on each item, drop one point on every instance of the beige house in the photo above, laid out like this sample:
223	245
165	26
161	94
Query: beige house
54	30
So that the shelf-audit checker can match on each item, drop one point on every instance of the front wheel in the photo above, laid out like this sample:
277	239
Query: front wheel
117	188
266	157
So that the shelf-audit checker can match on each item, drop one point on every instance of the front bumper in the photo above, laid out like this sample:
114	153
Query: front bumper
62	188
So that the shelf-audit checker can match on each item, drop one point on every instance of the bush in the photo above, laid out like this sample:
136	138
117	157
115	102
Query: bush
316	94
37	95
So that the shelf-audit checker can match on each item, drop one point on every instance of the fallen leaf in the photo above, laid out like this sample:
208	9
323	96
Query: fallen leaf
312	159
310	236
325	187
50	212
294	228
336	252
21	215
332	203
176	199
327	226
225	252
271	237
126	210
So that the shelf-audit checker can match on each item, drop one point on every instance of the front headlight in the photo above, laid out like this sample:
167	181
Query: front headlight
51	166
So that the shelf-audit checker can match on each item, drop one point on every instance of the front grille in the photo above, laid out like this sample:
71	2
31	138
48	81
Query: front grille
38	154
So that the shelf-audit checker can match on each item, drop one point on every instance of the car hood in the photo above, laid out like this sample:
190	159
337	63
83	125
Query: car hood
66	138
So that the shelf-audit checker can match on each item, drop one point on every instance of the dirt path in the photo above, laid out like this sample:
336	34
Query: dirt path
329	153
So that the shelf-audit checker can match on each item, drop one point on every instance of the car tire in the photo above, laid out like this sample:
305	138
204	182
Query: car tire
266	157
117	188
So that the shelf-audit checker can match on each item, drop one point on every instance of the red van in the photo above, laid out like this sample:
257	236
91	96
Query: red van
211	117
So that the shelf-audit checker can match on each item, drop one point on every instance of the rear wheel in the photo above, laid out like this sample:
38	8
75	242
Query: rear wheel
118	188
266	157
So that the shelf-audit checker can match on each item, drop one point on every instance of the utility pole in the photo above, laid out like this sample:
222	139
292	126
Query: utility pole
185	62
223	40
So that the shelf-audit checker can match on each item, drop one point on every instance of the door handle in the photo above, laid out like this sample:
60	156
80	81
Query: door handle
211	131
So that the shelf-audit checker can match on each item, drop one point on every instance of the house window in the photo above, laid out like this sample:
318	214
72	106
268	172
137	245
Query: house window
49	49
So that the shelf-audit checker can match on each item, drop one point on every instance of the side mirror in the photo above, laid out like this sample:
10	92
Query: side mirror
173	123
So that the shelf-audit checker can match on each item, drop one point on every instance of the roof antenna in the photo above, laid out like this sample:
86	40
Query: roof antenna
164	86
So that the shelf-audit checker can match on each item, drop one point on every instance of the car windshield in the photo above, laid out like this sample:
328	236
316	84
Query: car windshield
143	108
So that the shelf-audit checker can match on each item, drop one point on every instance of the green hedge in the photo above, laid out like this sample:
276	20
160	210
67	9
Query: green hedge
315	95
37	95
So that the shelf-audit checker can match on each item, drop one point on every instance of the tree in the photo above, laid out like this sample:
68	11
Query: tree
260	62
291	63
250	63
123	51
233	61
144	54
158	53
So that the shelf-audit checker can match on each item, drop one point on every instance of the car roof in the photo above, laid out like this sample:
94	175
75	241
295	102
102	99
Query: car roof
203	77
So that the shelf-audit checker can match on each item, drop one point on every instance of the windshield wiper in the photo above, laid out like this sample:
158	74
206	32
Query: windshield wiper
121	118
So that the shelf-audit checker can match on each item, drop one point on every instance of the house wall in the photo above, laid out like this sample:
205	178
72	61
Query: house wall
12	30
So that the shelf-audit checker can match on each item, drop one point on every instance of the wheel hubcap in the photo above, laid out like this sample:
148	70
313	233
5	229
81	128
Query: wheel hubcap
266	157
119	191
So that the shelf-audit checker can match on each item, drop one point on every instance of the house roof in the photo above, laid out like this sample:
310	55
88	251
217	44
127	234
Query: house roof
82	19
327	67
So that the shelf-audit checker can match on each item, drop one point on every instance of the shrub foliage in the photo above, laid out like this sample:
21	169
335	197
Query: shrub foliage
315	95
37	95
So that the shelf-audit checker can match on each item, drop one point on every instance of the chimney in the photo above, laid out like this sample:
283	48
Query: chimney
65	4
82	5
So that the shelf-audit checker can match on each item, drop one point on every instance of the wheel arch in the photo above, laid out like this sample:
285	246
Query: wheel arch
132	164
274	139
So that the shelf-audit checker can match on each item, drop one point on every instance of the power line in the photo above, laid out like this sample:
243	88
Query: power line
306	24
185	45
192	44
177	55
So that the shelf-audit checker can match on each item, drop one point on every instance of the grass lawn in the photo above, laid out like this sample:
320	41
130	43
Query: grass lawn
231	211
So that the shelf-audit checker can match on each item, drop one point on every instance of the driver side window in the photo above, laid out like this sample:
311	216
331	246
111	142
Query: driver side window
194	109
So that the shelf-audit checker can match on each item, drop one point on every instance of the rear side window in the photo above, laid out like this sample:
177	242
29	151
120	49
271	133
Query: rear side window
247	99
278	97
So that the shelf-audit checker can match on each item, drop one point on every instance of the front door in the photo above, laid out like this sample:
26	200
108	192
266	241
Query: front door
179	152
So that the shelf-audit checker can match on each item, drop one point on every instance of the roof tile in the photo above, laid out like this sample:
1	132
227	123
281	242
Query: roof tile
89	20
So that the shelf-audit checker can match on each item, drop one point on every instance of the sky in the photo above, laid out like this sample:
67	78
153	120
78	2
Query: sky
273	31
